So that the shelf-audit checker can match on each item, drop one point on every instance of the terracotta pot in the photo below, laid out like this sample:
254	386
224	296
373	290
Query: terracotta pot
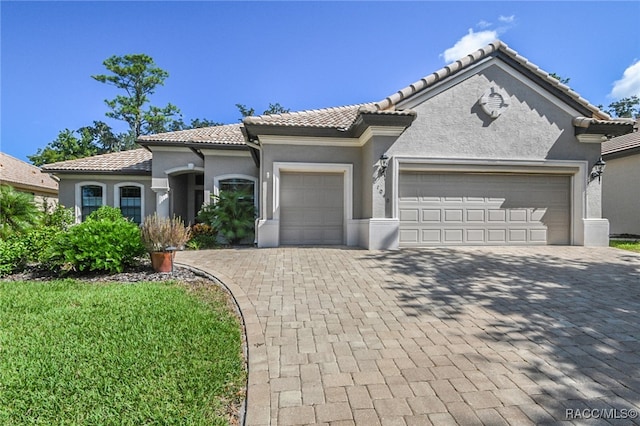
162	261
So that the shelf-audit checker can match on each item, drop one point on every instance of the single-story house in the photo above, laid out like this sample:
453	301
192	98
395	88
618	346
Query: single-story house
489	150
25	177
621	184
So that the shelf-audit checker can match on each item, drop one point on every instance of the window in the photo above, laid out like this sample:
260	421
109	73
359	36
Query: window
131	203
91	200
238	184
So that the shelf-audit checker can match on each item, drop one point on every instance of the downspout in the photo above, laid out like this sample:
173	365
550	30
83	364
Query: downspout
254	145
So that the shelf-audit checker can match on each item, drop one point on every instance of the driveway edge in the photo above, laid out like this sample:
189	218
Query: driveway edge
257	409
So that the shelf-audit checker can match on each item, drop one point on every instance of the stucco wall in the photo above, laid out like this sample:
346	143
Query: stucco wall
314	154
67	189
621	194
166	160
452	124
219	165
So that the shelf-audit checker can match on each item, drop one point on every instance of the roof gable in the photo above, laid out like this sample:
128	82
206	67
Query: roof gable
500	50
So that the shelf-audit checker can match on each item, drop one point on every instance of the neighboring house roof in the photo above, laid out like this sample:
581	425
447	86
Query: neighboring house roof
135	161
19	174
229	134
622	145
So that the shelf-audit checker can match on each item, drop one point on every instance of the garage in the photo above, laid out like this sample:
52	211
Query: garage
311	208
484	209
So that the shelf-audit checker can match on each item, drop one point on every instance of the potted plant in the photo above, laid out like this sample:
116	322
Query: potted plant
162	236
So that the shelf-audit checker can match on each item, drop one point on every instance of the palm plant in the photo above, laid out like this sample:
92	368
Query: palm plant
18	212
232	213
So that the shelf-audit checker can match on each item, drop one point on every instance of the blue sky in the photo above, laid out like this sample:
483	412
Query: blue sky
303	55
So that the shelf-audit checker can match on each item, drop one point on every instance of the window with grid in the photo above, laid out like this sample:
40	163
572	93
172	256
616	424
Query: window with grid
91	200
243	185
131	203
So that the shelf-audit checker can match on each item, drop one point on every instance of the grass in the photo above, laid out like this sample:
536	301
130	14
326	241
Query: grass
120	354
626	245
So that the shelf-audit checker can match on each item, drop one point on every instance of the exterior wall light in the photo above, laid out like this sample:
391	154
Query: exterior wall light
598	169
383	163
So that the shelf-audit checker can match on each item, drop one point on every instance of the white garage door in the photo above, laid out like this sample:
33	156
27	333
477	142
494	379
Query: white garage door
483	209
311	208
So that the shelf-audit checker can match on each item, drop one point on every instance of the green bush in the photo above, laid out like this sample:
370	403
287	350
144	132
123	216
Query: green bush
104	242
232	213
13	255
30	245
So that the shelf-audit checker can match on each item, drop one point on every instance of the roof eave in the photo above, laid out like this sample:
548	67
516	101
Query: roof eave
593	130
192	144
100	172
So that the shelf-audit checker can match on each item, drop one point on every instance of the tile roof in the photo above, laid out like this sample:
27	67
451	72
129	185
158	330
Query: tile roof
621	143
18	173
491	49
336	117
135	161
228	134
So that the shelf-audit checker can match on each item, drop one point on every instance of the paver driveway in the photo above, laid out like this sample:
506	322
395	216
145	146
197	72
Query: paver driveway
436	336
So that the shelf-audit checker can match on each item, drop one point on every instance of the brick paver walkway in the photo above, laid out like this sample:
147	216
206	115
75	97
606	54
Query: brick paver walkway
436	336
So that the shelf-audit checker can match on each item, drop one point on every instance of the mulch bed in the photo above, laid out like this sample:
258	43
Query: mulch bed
138	273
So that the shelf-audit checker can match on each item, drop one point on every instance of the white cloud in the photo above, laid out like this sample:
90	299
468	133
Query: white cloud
469	44
629	84
507	19
483	25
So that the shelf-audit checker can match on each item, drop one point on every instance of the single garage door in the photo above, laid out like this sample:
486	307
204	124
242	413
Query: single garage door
311	208
483	209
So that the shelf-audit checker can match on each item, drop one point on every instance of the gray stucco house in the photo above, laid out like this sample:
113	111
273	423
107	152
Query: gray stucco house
489	150
621	184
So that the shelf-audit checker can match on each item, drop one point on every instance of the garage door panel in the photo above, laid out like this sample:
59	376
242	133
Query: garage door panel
431	215
311	208
483	209
475	215
410	215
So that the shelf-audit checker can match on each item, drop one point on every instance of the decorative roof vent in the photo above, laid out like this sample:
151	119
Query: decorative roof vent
494	102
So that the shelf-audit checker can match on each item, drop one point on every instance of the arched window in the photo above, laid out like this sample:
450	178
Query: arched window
233	182
131	203
91	199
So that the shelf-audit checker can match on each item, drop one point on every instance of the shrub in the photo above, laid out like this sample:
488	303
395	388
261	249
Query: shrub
57	217
18	212
160	233
13	255
203	236
232	213
104	242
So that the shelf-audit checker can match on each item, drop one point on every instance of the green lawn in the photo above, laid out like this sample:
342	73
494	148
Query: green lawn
626	245
121	354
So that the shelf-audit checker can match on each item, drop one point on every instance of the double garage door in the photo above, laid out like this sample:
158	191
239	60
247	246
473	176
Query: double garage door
311	208
483	209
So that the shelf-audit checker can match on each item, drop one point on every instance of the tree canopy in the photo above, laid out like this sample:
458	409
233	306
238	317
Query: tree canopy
138	76
625	108
273	109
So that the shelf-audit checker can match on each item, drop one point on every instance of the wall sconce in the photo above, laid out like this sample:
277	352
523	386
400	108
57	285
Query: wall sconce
383	163
598	169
